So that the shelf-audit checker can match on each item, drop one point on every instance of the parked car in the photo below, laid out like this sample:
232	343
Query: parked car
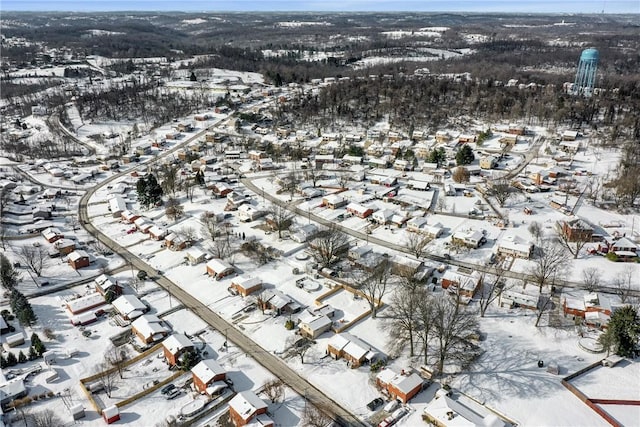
173	394
391	406
375	404
166	389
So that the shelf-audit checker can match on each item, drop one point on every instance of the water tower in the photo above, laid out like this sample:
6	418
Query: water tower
586	75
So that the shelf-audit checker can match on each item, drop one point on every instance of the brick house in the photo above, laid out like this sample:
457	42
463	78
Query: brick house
175	346
206	373
78	259
577	230
399	385
247	406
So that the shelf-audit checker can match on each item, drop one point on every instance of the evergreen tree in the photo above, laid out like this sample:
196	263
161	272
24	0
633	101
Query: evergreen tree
11	359
8	275
193	77
154	190
622	332
3	362
189	360
141	188
32	353
438	156
22	308
21	357
465	155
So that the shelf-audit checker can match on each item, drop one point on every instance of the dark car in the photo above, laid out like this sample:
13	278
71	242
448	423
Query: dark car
375	404
166	389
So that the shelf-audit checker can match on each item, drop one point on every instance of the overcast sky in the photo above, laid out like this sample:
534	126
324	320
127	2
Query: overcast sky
540	6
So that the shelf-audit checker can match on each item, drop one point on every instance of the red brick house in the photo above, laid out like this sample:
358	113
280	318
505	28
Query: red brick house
105	283
359	210
52	234
577	230
78	259
246	285
175	346
399	385
247	406
206	373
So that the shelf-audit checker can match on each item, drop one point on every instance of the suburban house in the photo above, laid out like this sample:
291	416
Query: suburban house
576	230
278	302
149	328
358	252
219	269
205	374
195	255
174	242
359	210
174	346
448	410
383	216
246	285
128	216
469	238
352	349
515	246
117	205
105	283
78	259
488	162
518	298
313	324
463	281
157	233
304	233
52	234
417	224
221	190
129	307
333	201
248	213
623	247
85	303
399	385
64	246
12	390
594	308
246	407
142	224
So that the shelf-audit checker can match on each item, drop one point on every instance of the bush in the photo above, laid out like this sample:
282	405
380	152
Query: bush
612	257
289	324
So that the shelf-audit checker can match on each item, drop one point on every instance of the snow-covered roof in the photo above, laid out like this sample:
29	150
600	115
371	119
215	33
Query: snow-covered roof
246	403
218	265
207	370
85	302
176	342
195	253
515	243
117	204
77	254
149	325
246	282
129	306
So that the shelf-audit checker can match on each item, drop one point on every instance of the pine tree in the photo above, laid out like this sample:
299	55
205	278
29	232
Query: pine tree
465	155
8	275
21	357
32	353
622	332
11	360
3	362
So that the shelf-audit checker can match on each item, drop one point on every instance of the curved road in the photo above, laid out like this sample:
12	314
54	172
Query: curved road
275	365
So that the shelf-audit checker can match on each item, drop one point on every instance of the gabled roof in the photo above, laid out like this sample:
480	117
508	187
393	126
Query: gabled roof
176	342
246	403
207	370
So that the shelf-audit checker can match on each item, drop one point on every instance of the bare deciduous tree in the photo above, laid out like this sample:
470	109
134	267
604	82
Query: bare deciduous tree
490	289
501	190
107	377
403	311
329	246
572	242
313	416
273	390
298	346
417	243
173	209
549	261
281	218
452	326
461	174
545	304
424	321
45	418
623	283
591	278
210	226
35	258
374	286
189	234
117	358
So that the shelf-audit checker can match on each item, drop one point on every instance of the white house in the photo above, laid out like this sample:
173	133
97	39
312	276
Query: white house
512	245
129	306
